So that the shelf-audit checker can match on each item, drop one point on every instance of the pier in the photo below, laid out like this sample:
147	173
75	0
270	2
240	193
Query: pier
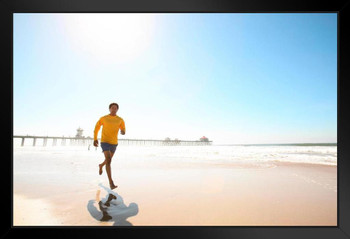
86	141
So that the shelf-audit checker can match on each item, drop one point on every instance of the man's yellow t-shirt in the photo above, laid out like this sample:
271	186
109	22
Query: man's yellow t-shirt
111	125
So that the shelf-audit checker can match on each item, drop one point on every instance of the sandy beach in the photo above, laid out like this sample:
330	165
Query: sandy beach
56	187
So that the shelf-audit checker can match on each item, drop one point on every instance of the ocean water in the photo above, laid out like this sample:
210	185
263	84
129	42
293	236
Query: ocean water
326	155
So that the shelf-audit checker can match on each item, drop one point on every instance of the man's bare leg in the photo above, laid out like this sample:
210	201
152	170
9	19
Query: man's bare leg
101	166
108	157
104	163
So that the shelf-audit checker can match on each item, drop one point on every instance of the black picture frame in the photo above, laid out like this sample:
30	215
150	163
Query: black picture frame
342	8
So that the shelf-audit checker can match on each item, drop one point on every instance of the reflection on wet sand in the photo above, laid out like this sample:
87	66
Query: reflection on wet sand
112	208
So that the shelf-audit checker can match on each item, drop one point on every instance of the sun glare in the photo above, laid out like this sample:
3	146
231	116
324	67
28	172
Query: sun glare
116	37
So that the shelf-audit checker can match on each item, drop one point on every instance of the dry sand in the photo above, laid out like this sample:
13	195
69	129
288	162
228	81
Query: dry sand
278	194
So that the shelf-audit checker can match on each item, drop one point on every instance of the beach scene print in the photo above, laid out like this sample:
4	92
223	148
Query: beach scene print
164	119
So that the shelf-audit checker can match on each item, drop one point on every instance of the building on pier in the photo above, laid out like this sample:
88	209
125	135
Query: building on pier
204	139
79	133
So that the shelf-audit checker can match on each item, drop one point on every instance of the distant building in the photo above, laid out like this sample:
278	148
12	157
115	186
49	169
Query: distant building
204	139
79	133
167	139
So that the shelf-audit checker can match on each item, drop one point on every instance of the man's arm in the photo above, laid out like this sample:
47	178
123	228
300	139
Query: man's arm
122	128
97	128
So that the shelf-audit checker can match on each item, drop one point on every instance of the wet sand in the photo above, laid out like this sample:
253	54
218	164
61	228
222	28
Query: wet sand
193	194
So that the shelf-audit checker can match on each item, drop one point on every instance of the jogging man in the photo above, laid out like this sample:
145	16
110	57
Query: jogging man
109	140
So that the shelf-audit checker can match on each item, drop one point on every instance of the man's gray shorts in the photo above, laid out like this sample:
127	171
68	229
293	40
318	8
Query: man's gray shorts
108	147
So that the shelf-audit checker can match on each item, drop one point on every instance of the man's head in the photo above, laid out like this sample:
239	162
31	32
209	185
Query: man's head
113	108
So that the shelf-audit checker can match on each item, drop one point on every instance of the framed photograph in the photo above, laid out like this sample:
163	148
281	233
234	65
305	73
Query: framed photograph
211	119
